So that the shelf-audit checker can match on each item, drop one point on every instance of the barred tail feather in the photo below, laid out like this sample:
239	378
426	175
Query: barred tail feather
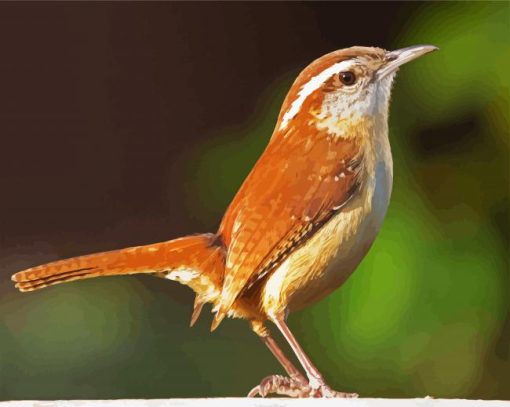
196	261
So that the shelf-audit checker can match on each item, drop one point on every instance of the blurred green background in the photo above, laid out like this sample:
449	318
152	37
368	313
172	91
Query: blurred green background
126	124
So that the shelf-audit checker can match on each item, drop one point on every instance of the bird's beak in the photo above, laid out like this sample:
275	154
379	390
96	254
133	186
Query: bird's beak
394	59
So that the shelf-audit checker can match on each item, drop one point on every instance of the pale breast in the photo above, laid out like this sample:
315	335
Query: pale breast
333	253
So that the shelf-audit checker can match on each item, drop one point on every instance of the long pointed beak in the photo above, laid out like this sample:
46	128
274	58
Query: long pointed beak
401	56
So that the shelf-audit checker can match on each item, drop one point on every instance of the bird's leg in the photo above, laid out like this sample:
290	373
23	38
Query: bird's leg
317	387
288	386
289	367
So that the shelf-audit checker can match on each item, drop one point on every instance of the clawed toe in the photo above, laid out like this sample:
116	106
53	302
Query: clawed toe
290	387
282	386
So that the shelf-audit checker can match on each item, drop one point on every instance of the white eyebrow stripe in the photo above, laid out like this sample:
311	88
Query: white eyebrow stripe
311	86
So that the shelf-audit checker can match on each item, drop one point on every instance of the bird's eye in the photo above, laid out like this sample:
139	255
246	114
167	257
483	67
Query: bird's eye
347	78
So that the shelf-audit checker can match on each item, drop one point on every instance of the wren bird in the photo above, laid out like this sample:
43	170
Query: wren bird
301	222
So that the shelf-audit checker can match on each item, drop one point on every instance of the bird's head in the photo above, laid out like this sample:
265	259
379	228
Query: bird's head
344	88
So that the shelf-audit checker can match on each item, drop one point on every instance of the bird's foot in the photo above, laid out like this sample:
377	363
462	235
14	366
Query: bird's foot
280	385
293	387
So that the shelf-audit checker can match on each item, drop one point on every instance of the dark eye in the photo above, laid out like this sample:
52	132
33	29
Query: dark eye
347	78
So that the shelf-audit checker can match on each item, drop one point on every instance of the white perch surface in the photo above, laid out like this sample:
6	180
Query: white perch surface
254	402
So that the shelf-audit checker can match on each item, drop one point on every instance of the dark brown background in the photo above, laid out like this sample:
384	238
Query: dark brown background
97	100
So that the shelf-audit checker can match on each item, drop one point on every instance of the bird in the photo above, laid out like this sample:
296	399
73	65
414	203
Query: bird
301	222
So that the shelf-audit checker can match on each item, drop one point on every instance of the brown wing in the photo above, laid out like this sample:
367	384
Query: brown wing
295	187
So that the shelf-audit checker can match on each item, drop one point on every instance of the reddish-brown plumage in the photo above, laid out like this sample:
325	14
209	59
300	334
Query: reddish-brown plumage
296	186
302	178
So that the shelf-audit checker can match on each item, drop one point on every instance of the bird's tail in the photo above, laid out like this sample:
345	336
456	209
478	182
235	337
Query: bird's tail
196	261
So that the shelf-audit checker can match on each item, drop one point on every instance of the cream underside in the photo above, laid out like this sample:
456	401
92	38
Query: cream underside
332	254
